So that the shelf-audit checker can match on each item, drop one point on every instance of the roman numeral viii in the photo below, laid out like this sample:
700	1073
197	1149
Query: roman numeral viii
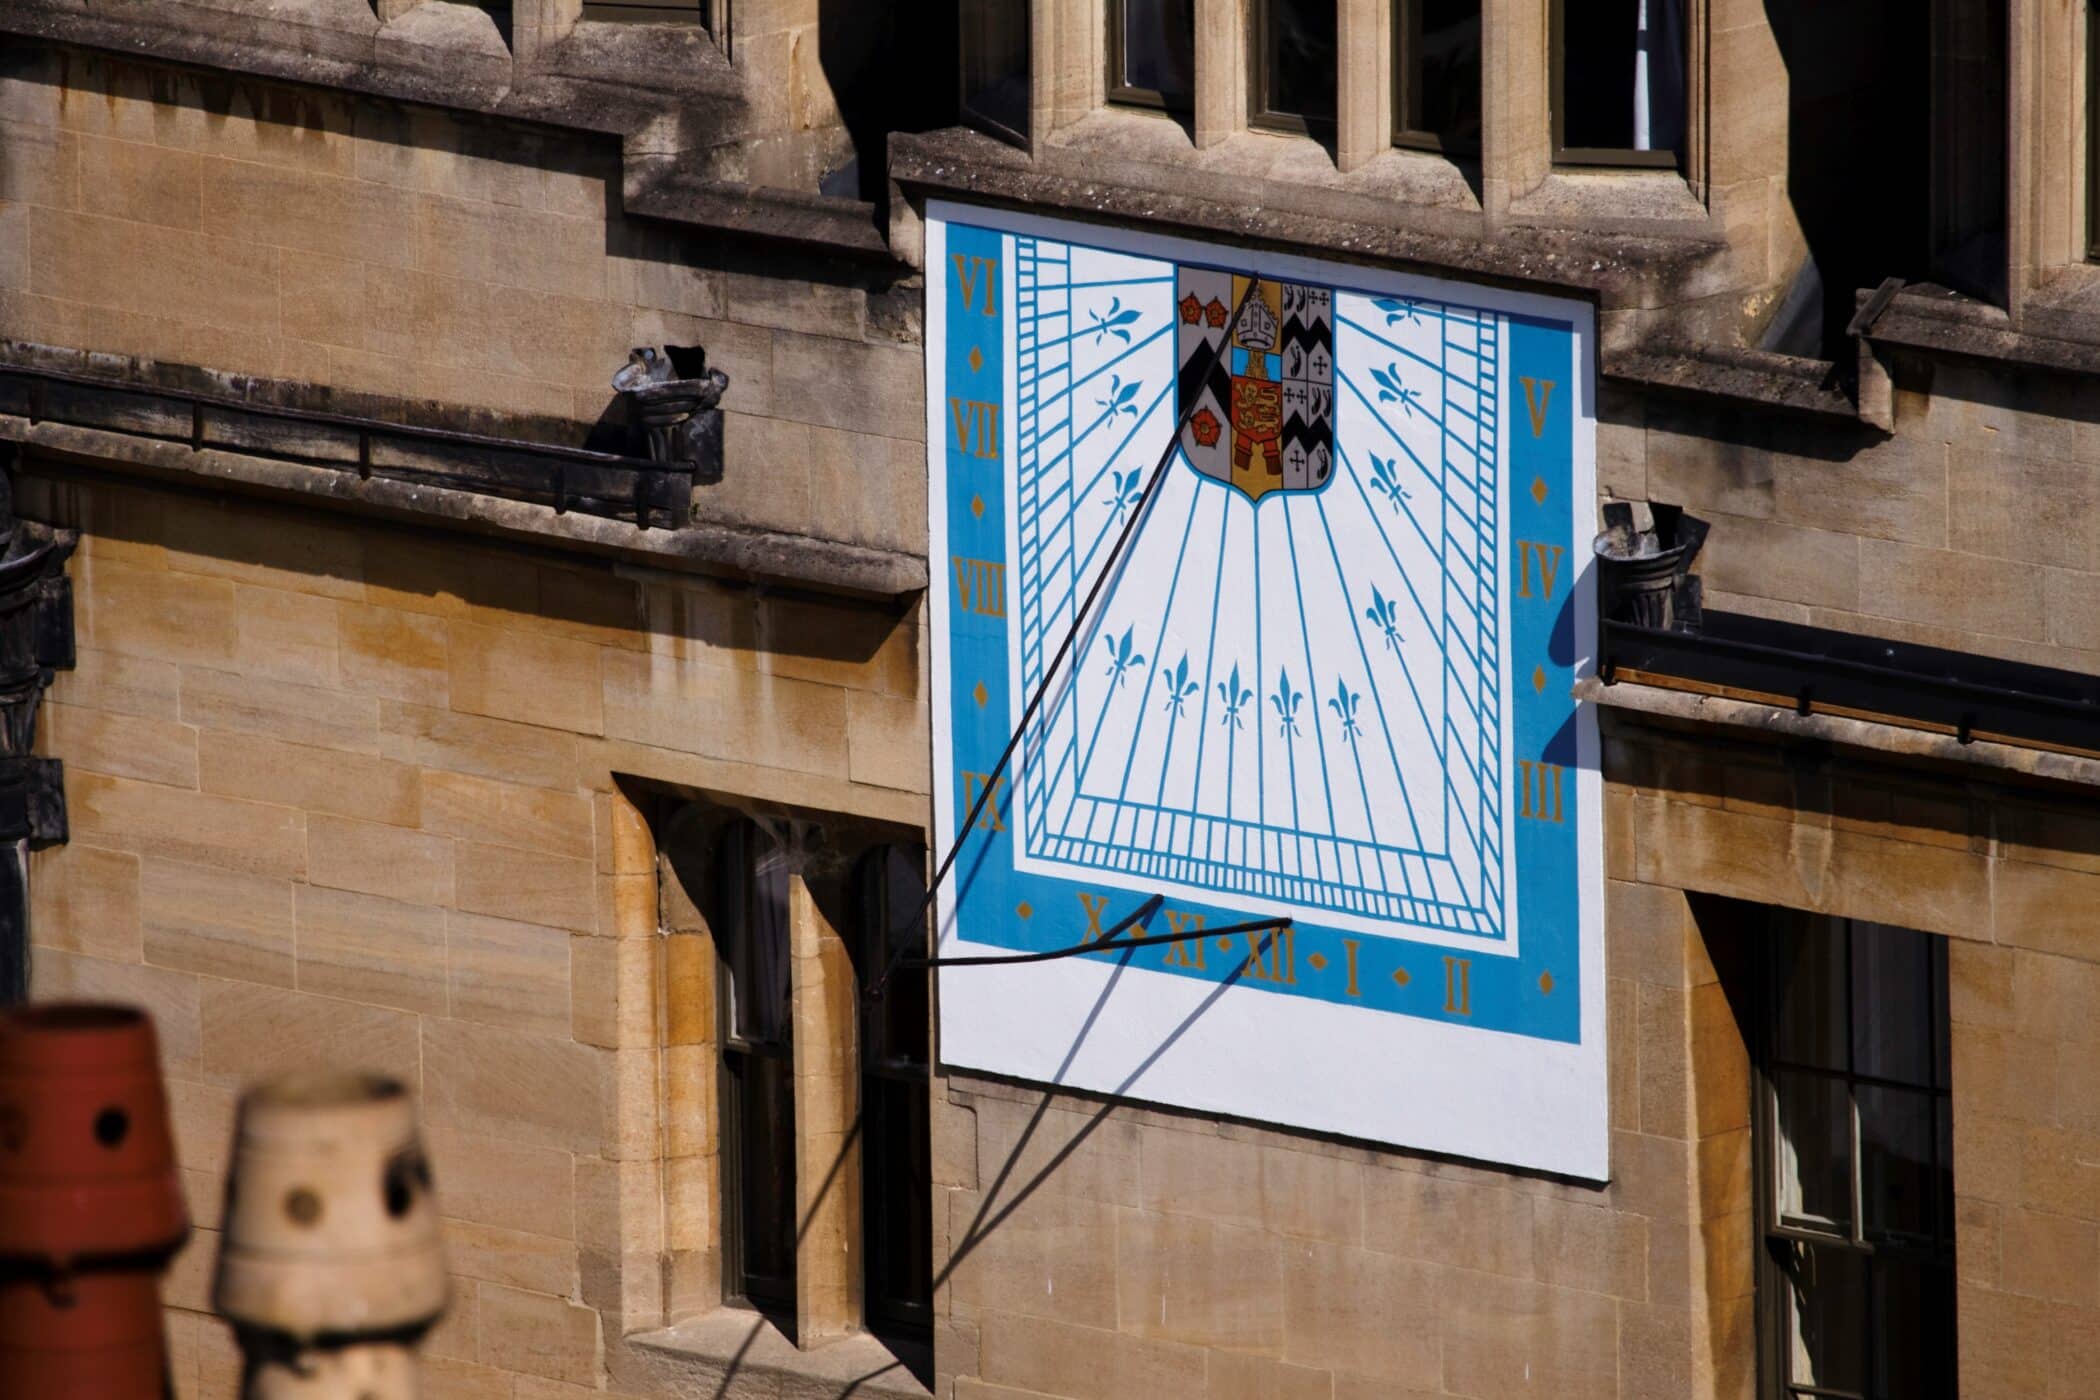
980	586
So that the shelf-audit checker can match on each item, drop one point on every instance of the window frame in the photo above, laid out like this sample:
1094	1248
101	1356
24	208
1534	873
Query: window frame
1120	93
1259	117
734	875
1407	34
1774	1320
1605	156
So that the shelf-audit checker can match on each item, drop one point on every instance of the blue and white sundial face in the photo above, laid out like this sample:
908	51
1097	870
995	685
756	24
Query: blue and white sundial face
1327	677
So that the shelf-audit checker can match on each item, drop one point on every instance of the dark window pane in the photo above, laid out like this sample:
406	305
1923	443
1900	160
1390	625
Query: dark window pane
1913	1329
1826	1316
1298	60
1813	1161
1809	993
1622	75
897	1022
1891	1001
1439	66
752	933
994	44
1896	1167
764	1092
1159	48
897	1176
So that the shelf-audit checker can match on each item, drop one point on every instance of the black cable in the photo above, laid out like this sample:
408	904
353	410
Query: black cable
1101	945
1108	568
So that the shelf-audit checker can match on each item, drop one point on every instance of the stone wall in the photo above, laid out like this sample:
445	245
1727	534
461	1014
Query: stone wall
1975	527
381	251
343	793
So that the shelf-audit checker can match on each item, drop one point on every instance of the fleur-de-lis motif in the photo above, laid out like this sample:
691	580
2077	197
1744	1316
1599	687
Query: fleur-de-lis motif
1398	309
1120	656
1233	697
1392	390
1112	321
1384	614
1385	480
1121	397
1127	492
1179	686
1286	701
1343	702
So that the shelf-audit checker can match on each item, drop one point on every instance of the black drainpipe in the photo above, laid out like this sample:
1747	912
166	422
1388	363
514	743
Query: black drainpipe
36	638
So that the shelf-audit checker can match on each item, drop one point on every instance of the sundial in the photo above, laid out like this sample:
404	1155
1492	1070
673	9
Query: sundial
1326	675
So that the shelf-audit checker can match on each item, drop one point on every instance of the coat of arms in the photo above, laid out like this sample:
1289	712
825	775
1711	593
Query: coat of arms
1261	410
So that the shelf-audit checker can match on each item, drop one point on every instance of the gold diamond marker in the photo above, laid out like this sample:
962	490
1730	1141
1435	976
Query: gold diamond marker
976	360
1538	679
1025	910
1546	983
977	506
980	695
1400	976
1224	945
1538	488
1319	964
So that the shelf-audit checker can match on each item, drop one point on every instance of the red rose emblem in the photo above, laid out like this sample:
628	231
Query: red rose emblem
1205	426
1216	313
1191	309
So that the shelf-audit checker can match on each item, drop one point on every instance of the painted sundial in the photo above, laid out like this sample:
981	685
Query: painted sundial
1327	676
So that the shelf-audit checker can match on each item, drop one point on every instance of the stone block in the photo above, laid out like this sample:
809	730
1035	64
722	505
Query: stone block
2015	1074
1041	1256
1965	591
1237	1376
296	551
1656	1352
508	814
2029	509
296	714
624	842
2060	1171
505	1184
115	684
252	1032
766	479
814	308
309	212
748	717
2047	908
2073	604
515	1258
195	828
1651	1176
878	389
372	858
173	275
689	989
1792	563
395	655
888	742
136	612
539	1335
323	300
2005	1342
219	923
284	636
873	489
489	748
1575	1245
512	884
508	974
170	997
1432	1219
1897	490
548	681
1646	933
1041	1354
1092	1155
1510	1337
1662	1023
1348	1309
496	1082
124	746
1185	1279
86	900
318	780
361	947
2047	1256
1188	1171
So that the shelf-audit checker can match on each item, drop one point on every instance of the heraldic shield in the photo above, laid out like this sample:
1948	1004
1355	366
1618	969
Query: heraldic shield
1260	416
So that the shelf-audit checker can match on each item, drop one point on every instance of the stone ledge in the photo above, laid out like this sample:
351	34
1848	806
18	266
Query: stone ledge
710	1354
1694	708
